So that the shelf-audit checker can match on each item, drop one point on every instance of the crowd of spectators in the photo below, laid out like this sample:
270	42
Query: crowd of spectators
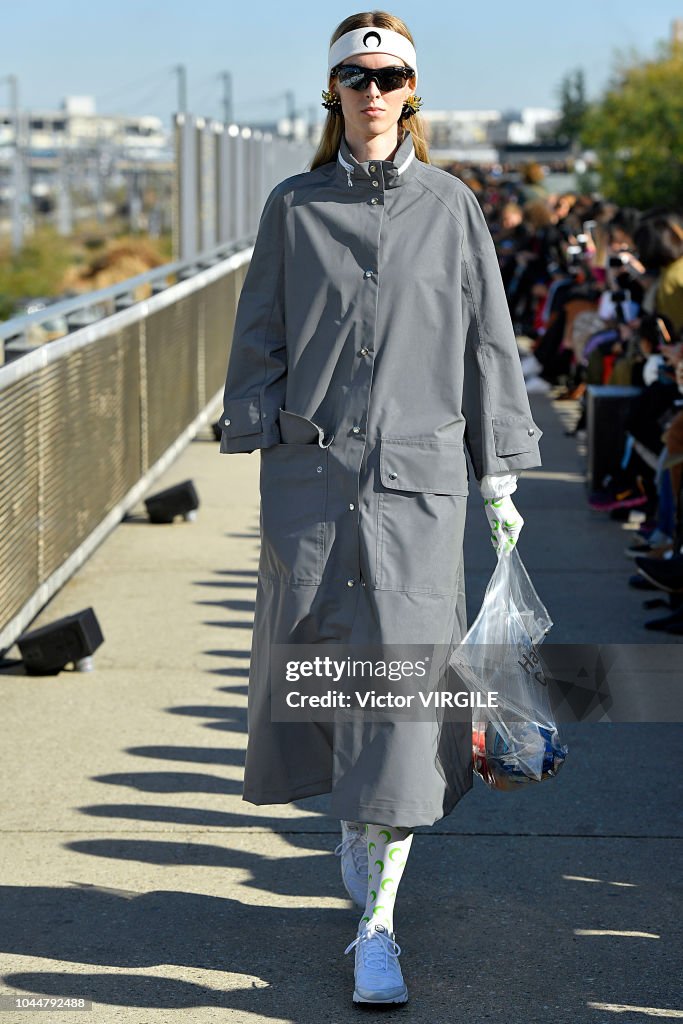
597	292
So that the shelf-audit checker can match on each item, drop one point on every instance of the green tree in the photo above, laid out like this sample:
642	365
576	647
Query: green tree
35	270
636	130
573	107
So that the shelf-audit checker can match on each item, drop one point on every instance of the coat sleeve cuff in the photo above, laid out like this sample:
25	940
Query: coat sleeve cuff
497	485
515	442
245	427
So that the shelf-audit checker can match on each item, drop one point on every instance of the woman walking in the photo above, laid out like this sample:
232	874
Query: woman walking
372	345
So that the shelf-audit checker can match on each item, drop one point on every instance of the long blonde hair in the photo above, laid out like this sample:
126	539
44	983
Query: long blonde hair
333	128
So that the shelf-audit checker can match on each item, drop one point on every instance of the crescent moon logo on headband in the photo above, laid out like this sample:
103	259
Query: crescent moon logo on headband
368	35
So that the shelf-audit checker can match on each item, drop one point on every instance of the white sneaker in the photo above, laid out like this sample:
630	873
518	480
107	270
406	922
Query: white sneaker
353	851
378	974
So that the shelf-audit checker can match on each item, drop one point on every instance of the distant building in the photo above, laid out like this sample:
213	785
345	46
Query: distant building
450	129
77	125
523	126
479	134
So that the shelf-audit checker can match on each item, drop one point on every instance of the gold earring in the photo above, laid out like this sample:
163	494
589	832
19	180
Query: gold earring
411	106
331	101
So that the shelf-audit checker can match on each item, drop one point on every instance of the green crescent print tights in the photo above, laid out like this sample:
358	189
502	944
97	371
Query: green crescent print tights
388	848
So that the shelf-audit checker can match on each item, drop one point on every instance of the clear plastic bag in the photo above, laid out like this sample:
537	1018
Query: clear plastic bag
516	742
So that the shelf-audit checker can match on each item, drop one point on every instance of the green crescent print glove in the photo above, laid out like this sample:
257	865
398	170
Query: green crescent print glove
505	521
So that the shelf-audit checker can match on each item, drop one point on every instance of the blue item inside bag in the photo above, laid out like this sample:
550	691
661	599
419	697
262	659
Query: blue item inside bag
498	761
516	741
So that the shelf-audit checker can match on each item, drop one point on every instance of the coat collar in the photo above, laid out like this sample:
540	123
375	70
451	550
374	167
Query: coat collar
389	173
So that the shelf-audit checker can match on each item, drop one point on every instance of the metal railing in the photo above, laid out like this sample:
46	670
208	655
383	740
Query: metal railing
223	175
88	421
22	334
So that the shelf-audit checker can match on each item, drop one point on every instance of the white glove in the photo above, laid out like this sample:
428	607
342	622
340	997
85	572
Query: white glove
505	521
495	485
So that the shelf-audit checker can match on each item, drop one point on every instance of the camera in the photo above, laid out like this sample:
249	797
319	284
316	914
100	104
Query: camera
574	256
617	259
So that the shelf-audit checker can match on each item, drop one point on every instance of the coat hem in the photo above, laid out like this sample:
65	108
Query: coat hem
385	813
270	796
377	813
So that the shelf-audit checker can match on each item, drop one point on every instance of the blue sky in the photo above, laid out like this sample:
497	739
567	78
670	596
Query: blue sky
470	55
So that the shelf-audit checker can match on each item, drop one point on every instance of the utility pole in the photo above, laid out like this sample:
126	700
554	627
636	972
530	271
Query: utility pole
181	72
312	121
99	173
17	169
64	206
226	78
291	111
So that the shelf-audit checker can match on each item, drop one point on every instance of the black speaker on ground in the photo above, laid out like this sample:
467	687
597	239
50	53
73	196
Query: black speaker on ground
607	409
46	651
179	500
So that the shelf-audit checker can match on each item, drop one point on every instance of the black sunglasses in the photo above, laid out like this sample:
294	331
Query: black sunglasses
354	76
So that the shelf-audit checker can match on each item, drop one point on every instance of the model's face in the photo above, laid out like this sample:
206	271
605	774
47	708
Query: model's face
369	111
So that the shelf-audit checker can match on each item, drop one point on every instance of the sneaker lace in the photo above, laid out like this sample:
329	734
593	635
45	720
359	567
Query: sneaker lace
377	948
355	842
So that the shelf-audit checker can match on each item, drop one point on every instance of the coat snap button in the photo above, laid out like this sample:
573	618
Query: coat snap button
375	183
351	505
355	430
350	583
318	469
227	422
392	476
529	431
364	351
368	273
374	200
372	167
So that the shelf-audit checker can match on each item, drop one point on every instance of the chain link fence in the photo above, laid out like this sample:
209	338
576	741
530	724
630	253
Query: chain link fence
87	422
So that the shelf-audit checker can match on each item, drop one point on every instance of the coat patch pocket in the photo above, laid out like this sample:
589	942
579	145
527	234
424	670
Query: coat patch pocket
421	510
293	484
515	435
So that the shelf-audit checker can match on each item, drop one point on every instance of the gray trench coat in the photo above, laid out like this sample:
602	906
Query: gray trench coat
372	346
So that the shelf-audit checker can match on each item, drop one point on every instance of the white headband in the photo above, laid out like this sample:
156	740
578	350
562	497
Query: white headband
369	40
